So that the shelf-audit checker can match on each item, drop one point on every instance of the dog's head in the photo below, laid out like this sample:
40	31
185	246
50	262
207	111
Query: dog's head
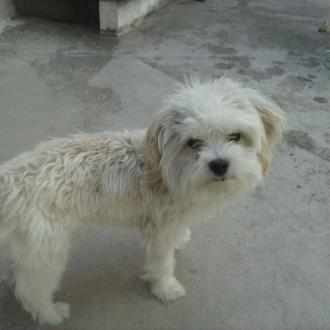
214	135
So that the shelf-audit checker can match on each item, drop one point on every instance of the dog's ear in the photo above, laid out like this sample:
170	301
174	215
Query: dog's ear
272	117
163	127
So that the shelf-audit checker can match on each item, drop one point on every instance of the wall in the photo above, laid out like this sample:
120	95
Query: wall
6	9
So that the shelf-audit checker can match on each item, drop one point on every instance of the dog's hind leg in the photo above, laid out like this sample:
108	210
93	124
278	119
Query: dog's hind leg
160	265
39	257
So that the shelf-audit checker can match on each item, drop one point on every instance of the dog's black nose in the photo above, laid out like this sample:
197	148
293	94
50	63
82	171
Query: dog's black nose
219	166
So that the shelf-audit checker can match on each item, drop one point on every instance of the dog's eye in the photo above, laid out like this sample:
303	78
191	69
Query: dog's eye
195	143
234	137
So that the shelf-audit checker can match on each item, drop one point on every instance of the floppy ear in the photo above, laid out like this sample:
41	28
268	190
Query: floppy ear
272	117
161	130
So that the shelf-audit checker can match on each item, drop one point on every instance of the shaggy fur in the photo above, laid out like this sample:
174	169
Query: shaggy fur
158	180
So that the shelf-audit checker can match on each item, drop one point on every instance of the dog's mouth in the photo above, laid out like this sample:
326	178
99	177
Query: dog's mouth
220	178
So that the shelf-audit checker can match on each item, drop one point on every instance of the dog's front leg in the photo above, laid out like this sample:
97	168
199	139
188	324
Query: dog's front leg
160	265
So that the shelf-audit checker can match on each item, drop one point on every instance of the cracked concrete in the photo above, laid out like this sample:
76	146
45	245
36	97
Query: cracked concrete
264	265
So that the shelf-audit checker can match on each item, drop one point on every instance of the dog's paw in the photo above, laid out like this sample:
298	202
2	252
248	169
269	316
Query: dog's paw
54	314
63	309
183	239
168	289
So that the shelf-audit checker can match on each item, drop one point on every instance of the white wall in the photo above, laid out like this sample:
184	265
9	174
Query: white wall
6	9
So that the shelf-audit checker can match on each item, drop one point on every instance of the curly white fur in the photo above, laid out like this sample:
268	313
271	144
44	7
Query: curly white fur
149	179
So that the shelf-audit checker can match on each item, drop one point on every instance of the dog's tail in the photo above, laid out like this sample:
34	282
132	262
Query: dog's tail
6	226
3	234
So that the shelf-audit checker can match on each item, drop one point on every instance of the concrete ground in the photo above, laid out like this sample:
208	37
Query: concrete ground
264	265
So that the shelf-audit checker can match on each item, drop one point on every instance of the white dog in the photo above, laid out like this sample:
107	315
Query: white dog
210	143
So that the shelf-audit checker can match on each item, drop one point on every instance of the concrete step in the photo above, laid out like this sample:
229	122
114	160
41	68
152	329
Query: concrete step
112	16
118	16
60	10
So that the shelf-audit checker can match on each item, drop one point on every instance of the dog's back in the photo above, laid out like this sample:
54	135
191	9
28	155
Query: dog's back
66	179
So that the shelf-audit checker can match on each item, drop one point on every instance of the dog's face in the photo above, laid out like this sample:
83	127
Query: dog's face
215	136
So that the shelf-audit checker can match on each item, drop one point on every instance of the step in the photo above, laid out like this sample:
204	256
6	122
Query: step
112	16
119	16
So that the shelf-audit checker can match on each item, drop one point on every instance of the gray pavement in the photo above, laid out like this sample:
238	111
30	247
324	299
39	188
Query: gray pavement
264	265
